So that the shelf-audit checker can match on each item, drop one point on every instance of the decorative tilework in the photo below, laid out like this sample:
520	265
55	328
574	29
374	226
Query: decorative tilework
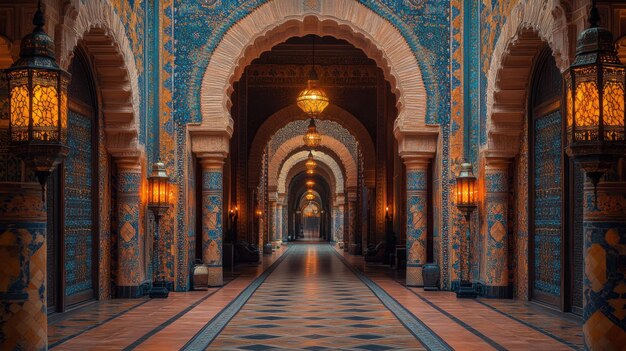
23	315
212	225
416	226
78	209
130	269
548	217
604	292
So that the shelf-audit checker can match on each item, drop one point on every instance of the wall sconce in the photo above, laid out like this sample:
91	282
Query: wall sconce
158	203
595	86
38	104
466	203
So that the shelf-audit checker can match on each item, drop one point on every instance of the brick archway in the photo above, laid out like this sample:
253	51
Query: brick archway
300	157
278	20
531	25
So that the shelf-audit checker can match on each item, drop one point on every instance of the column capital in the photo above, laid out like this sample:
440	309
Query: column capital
128	160
351	193
209	143
417	143
272	196
497	157
281	198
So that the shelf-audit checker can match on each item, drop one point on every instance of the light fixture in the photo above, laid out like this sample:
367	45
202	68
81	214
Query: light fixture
312	137
312	100
310	196
38	103
310	163
595	95
310	183
466	203
158	203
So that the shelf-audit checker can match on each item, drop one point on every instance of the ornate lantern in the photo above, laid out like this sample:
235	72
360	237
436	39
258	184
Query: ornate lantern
38	103
310	196
158	202
310	183
595	98
312	100
466	190
312	138
158	189
310	163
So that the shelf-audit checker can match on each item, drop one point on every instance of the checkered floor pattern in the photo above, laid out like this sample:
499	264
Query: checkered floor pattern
312	301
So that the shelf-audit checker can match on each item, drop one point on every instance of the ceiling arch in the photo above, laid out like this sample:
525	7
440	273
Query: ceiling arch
301	157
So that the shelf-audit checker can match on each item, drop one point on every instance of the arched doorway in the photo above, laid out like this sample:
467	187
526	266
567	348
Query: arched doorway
73	199
555	196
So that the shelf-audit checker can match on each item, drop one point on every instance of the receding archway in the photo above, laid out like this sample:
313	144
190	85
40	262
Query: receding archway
277	20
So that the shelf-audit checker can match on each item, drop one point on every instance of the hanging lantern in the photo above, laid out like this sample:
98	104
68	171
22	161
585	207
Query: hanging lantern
310	196
158	189
312	137
310	183
38	103
595	98
310	163
466	190
312	100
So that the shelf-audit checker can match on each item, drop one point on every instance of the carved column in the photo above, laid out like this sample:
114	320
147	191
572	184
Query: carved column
351	234
416	147
417	219
23	311
284	230
604	287
130	273
211	148
212	213
495	216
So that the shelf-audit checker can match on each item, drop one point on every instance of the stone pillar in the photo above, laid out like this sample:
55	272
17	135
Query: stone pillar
495	215
604	289
351	234
285	220
210	146
417	219
23	315
130	274
212	227
277	237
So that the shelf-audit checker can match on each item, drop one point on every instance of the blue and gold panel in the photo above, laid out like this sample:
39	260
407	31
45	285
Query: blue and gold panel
548	186
78	205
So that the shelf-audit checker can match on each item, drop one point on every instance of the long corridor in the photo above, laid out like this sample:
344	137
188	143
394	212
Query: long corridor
314	301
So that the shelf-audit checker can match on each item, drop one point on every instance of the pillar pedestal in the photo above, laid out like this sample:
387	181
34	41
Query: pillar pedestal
130	274
604	289
23	312
496	275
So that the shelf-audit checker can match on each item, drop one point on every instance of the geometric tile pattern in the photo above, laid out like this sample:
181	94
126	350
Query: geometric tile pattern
212	223
416	225
312	301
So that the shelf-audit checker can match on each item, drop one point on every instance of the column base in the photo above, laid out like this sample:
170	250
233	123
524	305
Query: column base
276	243
128	292
158	291
216	277
267	249
466	291
414	276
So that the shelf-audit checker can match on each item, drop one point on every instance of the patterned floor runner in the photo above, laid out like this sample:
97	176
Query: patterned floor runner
313	301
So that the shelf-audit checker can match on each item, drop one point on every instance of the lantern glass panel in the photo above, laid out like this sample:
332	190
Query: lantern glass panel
613	110
587	111
20	103
312	100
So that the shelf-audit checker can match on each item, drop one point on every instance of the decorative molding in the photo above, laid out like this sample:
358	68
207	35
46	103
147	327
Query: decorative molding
208	142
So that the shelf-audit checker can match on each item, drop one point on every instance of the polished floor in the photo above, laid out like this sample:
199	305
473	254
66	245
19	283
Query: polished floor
309	296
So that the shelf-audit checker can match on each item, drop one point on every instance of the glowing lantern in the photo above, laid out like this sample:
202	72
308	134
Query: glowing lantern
310	163
310	183
595	101
466	190
158	189
38	103
312	100
312	138
310	196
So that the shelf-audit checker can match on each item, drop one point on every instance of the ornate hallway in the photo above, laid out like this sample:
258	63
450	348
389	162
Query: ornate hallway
312	297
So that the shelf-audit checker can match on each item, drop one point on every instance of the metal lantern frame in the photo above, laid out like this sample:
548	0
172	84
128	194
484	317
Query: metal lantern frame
465	190
312	100
595	94
38	103
310	163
